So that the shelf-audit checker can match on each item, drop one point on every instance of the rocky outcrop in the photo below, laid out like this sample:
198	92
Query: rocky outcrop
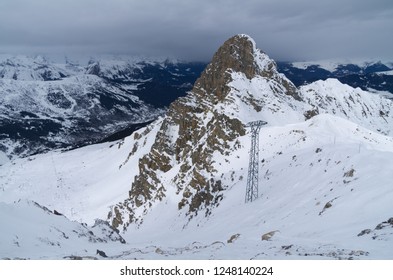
238	54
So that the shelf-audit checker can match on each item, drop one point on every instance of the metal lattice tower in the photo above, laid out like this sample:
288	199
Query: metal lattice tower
252	179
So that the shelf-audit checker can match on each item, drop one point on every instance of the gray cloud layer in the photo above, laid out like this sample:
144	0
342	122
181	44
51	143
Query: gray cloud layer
194	29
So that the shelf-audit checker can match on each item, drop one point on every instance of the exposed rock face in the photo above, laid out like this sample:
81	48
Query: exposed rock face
196	127
237	54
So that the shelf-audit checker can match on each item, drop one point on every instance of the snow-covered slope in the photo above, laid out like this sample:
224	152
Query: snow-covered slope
176	189
33	231
322	183
368	110
240	85
37	68
83	183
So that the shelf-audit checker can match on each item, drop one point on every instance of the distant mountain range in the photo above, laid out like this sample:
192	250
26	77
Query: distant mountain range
46	105
371	76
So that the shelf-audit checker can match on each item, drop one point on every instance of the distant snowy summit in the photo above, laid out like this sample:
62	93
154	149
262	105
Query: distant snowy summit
43	68
30	68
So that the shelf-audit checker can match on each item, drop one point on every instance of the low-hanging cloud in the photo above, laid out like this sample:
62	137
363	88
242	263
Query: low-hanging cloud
194	29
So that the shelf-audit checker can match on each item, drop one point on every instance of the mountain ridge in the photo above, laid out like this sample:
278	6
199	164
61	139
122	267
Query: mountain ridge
194	128
369	75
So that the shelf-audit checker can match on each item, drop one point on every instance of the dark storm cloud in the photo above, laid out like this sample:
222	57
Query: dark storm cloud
193	29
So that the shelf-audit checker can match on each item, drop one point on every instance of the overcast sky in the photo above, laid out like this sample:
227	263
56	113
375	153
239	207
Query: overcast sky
194	29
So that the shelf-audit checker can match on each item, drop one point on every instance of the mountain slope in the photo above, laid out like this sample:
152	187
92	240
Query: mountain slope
240	85
29	226
322	183
368	110
69	111
82	183
191	159
203	125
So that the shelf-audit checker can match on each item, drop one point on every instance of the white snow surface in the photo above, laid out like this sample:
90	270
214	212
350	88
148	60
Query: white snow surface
368	110
82	184
28	226
277	109
304	166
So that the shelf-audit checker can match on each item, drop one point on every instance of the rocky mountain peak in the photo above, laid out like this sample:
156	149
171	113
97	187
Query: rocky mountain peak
239	84
237	54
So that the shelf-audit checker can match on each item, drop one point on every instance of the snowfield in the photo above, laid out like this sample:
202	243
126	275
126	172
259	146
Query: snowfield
322	183
33	231
82	184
